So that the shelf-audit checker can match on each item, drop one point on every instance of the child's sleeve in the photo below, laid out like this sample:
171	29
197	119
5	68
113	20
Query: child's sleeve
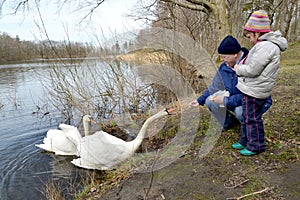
256	62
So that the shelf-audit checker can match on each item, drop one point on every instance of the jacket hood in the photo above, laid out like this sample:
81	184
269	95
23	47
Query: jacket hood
276	38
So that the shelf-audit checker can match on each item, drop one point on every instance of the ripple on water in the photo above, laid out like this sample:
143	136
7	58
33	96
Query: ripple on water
25	169
28	169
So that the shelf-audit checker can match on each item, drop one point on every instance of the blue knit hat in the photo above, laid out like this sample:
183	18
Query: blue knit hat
229	45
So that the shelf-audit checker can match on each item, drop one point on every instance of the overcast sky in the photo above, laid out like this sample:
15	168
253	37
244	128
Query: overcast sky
107	19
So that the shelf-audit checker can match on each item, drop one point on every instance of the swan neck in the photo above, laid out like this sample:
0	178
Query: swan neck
85	127
139	138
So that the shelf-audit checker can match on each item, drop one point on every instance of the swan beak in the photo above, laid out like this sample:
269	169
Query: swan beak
170	110
92	120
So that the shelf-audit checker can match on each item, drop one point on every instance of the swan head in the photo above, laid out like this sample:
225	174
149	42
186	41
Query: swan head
88	118
164	112
170	111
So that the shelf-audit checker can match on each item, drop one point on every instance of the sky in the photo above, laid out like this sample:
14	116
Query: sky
108	19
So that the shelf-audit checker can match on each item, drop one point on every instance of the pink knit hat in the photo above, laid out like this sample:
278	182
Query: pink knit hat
258	22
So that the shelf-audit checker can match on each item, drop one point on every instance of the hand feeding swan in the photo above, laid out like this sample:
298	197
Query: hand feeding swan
102	151
64	141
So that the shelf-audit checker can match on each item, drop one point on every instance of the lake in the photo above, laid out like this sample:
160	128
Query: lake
26	116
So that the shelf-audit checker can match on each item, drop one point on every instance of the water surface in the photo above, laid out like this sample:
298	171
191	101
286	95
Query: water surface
25	169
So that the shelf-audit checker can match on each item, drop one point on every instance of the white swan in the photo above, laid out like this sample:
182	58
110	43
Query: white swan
102	151
64	141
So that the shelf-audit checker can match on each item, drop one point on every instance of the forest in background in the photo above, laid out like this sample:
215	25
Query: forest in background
13	49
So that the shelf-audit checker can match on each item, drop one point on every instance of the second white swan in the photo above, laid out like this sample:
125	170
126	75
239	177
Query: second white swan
64	141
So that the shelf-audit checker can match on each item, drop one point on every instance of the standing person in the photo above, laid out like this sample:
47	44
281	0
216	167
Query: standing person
257	76
221	106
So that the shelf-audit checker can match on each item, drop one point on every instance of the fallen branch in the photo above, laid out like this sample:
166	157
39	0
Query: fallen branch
238	185
251	194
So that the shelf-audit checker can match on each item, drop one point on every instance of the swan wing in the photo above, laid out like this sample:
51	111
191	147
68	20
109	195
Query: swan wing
49	140
66	127
101	151
108	138
73	135
57	142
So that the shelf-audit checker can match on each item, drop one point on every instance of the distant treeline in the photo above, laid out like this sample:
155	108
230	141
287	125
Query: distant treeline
12	49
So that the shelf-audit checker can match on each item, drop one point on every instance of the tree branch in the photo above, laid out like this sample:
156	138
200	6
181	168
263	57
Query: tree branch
198	5
99	2
238	185
22	3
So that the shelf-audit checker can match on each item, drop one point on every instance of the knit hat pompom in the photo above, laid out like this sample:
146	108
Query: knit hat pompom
229	45
258	22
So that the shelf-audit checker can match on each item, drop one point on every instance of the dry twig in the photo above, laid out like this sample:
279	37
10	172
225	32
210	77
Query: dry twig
237	185
251	194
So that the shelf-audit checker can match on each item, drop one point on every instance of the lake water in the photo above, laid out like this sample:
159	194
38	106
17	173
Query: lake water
25	169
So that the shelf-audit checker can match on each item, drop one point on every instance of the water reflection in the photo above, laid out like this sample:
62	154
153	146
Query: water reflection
61	166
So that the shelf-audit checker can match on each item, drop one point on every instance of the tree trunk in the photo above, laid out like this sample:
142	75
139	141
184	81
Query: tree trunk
289	19
215	9
222	19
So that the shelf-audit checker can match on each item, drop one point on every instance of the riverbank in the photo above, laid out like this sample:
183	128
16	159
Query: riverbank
224	173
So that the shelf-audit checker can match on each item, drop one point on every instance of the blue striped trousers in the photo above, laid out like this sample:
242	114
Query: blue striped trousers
253	136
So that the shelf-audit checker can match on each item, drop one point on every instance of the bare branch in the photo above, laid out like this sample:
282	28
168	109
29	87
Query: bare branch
237	185
17	7
22	3
99	2
198	5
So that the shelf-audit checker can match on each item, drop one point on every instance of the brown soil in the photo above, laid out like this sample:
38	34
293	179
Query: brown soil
223	174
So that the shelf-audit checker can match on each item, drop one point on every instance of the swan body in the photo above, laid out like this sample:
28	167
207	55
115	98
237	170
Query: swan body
63	141
102	151
56	141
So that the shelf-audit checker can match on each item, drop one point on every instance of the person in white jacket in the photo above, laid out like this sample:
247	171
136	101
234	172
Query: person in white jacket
257	75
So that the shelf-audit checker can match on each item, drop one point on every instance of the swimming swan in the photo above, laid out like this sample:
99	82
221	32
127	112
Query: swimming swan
102	151
64	141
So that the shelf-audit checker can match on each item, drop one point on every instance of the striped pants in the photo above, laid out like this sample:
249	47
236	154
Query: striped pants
252	125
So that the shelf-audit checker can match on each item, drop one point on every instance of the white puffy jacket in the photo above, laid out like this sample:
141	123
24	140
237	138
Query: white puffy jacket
257	76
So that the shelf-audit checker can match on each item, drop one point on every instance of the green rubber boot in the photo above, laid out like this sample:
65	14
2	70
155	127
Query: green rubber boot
246	152
237	146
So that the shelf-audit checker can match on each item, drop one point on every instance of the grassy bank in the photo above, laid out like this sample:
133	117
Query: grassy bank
223	173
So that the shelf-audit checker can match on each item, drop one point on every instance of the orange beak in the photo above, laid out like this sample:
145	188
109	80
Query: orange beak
170	110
